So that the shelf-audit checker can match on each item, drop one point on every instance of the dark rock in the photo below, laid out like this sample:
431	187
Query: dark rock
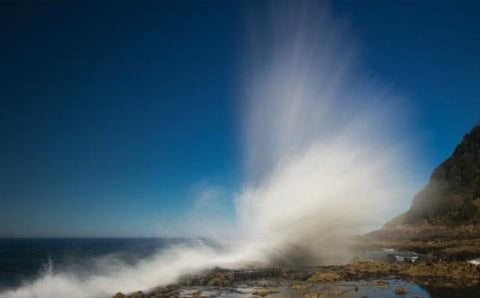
390	258
401	291
452	196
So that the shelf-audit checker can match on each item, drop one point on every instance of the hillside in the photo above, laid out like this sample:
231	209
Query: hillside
452	196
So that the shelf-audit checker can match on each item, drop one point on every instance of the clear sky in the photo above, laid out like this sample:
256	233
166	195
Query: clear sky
114	113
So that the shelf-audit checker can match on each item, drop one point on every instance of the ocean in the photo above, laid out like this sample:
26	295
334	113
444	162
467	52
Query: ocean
24	259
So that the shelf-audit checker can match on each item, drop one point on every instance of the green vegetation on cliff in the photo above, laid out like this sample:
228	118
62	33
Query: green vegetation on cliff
452	196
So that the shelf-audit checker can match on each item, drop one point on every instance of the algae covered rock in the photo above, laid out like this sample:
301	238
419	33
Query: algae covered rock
324	277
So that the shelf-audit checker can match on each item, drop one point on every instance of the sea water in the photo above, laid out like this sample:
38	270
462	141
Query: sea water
24	259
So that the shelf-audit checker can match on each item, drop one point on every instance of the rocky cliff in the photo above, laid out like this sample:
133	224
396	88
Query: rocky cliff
452	196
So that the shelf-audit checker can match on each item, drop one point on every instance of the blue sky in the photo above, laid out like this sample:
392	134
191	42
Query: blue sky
113	113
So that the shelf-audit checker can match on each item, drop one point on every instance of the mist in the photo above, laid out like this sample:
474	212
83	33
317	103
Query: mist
324	153
323	160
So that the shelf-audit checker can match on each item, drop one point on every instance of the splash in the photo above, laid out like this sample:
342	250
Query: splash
322	140
322	160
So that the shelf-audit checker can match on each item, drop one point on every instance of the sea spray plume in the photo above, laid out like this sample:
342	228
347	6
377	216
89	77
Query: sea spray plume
320	161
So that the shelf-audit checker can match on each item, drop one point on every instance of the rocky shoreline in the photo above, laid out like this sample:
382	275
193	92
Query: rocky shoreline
329	281
440	266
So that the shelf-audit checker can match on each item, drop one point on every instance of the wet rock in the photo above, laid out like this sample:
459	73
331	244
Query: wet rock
382	285
324	277
402	291
371	268
197	294
138	294
390	258
301	286
264	292
453	270
295	274
221	279
165	292
314	295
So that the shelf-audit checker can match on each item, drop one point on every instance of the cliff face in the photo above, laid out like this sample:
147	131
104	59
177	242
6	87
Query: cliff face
452	196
